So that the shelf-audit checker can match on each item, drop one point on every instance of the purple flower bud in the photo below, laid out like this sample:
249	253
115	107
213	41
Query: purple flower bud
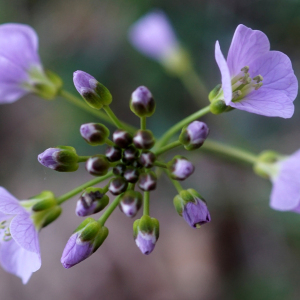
117	185
142	102
130	154
130	203
180	168
147	159
61	159
147	181
97	165
119	169
122	138
113	153
144	139
131	174
194	135
94	133
94	93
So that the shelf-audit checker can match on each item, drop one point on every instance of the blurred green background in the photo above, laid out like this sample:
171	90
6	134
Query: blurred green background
248	251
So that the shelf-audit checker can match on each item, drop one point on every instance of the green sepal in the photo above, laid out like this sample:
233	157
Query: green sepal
45	217
214	92
136	228
178	204
100	238
217	107
90	231
45	200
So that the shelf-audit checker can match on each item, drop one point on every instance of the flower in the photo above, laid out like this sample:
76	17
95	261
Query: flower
255	79
21	71
19	249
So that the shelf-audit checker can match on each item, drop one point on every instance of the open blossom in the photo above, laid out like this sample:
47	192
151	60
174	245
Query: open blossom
254	78
19	245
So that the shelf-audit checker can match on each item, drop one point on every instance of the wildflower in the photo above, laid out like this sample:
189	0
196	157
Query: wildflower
255	79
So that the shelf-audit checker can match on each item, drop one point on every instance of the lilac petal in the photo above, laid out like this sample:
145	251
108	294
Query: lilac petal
18	261
84	81
19	44
145	242
266	102
226	80
276	69
9	204
285	194
24	233
153	35
246	46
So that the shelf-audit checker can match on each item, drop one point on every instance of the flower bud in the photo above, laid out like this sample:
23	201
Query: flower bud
147	159
146	233
113	153
117	185
119	169
144	139
194	135
122	138
192	207
97	165
131	202
94	133
130	154
180	168
86	239
131	174
91	201
94	93
147	181
60	158
142	103
217	107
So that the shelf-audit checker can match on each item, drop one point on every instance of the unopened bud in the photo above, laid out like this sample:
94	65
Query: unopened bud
130	154
130	203
147	159
180	168
117	185
119	169
94	133
194	135
131	174
142	102
94	93
60	158
147	181
113	153
97	165
144	139
122	138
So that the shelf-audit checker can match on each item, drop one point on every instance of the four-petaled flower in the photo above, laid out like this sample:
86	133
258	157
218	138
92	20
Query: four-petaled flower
19	244
254	78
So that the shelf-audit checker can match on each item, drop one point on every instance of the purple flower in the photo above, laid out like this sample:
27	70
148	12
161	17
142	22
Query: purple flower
153	35
19	249
285	195
254	78
196	214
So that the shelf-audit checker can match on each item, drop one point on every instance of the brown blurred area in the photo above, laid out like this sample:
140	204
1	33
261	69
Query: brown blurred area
248	251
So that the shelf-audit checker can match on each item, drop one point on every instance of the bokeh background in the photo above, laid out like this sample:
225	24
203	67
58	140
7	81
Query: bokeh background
248	251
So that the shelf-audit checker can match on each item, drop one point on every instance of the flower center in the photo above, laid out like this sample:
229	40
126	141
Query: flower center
4	231
242	84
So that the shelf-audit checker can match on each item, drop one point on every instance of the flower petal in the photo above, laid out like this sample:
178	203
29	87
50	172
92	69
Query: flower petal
285	194
24	233
226	80
277	71
246	46
266	102
18	261
9	204
19	44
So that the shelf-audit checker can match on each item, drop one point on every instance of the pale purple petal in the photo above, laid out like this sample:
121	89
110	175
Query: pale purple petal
84	82
46	158
266	102
9	204
18	261
24	233
276	69
82	211
285	193
75	251
246	46
225	75
153	35
145	242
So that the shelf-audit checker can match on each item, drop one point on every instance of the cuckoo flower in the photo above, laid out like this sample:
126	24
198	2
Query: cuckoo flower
19	245
254	78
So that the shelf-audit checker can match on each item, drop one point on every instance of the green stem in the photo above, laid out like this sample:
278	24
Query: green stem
83	158
113	117
110	210
160	164
178	126
143	123
177	185
224	150
146	203
167	148
109	142
101	115
80	188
